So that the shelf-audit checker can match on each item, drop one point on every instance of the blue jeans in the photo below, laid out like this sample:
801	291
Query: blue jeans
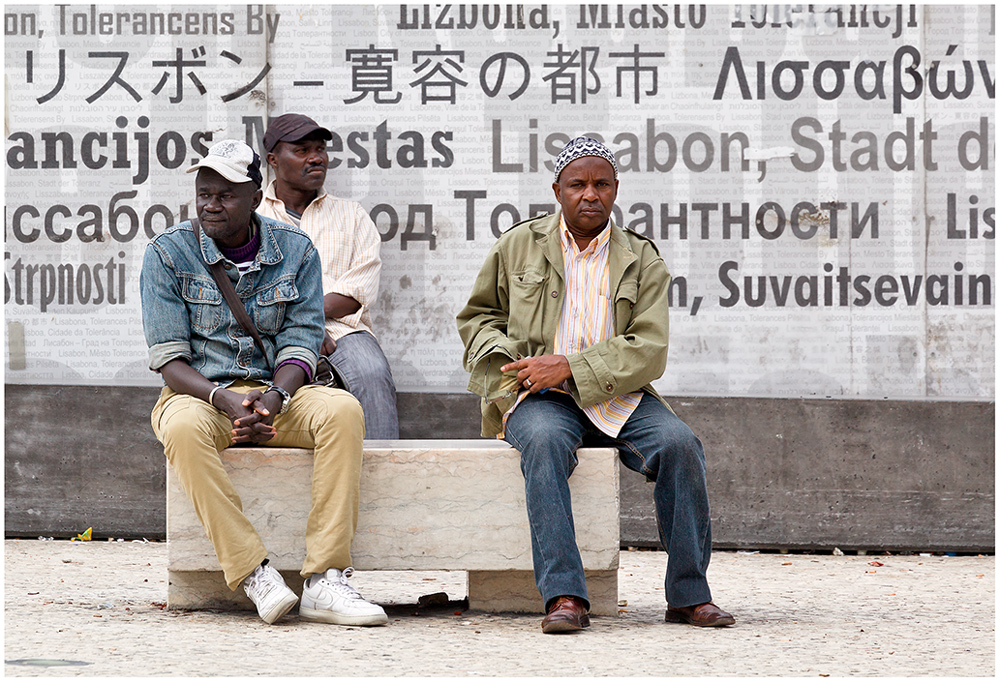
548	428
366	369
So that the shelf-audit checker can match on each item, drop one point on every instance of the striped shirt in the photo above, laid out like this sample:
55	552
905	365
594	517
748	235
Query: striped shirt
348	244
587	318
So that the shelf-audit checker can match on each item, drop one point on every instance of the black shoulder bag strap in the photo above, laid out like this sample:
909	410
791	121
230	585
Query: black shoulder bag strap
229	293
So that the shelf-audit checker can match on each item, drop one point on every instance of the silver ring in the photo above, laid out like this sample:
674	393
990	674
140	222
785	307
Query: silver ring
527	382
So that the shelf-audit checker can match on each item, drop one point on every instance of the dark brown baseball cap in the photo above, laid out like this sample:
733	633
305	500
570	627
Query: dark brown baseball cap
291	127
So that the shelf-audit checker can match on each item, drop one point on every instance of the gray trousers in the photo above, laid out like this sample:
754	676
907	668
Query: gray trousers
359	357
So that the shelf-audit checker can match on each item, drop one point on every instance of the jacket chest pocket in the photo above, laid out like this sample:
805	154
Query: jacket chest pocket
204	303
270	305
526	291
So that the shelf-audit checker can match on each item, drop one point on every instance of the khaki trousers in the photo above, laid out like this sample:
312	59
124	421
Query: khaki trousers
326	420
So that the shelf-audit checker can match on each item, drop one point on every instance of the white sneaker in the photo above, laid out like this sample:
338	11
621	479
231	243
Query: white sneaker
328	597
266	588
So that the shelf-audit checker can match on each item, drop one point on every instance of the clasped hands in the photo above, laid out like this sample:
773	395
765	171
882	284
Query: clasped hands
540	372
252	414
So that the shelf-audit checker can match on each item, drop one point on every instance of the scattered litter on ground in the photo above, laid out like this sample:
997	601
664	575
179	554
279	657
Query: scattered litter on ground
785	617
85	536
436	599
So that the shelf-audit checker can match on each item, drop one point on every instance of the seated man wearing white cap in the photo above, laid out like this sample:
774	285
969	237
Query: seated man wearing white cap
224	387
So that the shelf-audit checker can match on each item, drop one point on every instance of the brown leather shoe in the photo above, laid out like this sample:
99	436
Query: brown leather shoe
706	615
567	614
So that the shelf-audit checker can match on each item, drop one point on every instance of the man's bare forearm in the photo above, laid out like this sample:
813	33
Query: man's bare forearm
183	378
336	306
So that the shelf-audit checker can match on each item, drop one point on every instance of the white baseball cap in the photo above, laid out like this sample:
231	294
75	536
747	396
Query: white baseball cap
233	160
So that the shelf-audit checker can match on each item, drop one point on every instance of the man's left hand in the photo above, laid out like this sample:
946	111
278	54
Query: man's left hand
541	372
257	426
329	345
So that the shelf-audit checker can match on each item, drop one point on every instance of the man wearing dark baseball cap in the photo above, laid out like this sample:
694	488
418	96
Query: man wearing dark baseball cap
291	128
348	245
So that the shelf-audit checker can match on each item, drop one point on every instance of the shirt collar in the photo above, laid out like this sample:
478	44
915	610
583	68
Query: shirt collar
597	244
270	196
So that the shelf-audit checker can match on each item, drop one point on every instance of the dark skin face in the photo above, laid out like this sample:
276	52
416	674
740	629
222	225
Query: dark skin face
300	169
586	191
224	207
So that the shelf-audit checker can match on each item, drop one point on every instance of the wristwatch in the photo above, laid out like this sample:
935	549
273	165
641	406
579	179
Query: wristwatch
285	397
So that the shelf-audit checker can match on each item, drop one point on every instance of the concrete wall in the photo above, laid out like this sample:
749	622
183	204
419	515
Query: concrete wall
783	473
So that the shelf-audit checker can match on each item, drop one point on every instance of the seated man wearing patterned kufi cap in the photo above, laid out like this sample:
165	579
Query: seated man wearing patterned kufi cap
564	331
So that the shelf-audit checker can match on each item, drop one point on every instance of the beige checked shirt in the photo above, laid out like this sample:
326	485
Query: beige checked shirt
348	244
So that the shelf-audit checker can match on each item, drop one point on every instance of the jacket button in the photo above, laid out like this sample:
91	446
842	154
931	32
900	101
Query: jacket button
609	388
554	294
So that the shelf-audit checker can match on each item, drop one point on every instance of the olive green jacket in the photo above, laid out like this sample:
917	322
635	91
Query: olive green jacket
516	304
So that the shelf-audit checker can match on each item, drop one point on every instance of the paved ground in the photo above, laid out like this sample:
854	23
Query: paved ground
101	605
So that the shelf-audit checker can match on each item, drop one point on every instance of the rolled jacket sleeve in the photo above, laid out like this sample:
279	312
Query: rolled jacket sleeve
165	320
162	353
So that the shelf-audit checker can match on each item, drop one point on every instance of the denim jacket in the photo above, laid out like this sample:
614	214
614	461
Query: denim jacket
185	316
516	304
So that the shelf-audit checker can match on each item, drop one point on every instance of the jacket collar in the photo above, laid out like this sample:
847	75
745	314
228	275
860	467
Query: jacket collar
547	238
268	254
620	254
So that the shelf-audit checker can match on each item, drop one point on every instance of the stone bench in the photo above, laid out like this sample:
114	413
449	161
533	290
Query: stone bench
455	505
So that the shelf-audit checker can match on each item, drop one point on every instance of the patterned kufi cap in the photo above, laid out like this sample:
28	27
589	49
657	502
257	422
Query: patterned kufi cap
583	146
